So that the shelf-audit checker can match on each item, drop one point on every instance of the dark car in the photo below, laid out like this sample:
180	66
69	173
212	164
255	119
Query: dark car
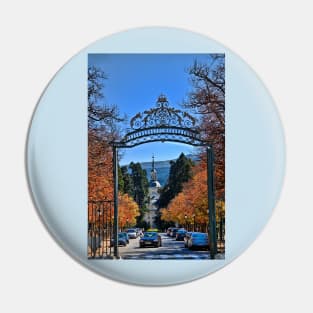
121	240
150	239
173	232
180	235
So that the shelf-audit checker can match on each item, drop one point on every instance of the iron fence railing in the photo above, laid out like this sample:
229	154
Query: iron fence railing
100	229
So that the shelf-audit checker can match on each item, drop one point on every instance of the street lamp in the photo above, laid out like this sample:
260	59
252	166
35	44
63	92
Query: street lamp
194	222
186	221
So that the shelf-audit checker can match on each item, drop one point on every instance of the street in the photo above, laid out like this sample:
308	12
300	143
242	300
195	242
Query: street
170	249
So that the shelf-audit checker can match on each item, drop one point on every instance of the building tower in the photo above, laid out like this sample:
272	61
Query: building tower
154	196
153	176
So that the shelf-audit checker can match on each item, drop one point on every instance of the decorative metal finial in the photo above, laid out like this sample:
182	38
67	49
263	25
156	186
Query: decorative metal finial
162	116
162	101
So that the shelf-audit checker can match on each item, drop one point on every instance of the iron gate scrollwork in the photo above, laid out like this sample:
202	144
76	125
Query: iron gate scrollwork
162	123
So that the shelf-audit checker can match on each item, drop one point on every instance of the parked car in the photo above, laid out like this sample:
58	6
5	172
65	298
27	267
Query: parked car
186	239
132	233
198	241
125	235
121	240
181	233
150	239
173	232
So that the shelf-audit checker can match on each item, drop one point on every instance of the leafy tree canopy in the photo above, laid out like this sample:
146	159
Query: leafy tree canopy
180	172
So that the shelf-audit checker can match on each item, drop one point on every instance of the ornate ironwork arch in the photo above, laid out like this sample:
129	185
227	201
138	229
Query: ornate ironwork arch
162	123
165	123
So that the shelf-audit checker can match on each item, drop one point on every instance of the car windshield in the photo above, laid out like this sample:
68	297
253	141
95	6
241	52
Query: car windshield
182	231
149	235
131	230
120	235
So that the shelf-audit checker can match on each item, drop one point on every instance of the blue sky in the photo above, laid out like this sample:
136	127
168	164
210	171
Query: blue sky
134	83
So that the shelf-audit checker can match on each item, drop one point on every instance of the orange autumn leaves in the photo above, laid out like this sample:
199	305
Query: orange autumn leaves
100	175
192	203
100	178
128	210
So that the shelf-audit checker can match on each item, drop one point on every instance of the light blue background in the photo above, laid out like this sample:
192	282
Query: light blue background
57	156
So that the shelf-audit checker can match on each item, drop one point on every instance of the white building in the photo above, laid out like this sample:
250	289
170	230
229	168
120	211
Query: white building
154	195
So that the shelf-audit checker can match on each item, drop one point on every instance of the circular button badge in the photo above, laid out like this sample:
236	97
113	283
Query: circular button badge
155	156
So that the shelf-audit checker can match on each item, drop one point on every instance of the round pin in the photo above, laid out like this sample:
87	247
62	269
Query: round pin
155	156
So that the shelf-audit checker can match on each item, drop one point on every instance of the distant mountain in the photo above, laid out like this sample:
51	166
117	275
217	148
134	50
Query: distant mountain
163	168
193	157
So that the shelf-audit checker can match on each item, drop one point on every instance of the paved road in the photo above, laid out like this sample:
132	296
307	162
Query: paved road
171	249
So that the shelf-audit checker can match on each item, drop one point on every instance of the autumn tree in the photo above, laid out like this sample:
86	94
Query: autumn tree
102	130
190	202
207	98
100	178
191	205
98	110
128	211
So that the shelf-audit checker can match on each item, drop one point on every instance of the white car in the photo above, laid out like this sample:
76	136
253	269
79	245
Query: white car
132	233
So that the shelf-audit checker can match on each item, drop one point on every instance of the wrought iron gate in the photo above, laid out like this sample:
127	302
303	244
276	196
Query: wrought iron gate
220	228
100	229
165	123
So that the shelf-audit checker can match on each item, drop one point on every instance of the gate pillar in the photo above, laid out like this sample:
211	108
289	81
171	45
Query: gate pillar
115	221
211	202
